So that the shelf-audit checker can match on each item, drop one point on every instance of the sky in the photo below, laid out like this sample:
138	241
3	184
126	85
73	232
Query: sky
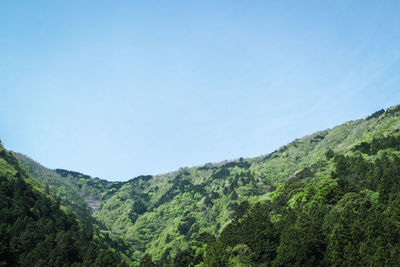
117	89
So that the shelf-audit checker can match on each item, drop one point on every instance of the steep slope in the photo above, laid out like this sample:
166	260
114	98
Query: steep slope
162	215
36	231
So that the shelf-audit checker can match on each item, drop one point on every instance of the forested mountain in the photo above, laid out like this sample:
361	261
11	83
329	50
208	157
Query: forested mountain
37	231
79	193
331	198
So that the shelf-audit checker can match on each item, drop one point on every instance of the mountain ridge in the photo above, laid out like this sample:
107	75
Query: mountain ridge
280	148
163	215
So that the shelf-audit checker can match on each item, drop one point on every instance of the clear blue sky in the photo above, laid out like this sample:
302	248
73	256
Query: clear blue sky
117	89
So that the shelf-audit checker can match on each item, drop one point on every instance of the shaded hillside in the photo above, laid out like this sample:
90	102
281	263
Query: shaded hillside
75	190
36	231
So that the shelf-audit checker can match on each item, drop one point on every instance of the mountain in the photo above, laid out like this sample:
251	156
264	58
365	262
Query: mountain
316	201
78	192
161	215
37	231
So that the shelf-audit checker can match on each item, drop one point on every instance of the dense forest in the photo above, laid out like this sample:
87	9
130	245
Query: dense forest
331	198
37	231
351	218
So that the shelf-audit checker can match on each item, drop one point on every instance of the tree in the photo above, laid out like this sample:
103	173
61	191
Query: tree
147	261
329	154
138	207
215	255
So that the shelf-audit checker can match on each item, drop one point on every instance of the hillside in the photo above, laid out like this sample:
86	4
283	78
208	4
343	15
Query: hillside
348	218
193	216
80	193
162	214
37	231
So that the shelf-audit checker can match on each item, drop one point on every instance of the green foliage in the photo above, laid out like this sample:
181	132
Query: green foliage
302	240
376	114
350	219
330	198
254	230
242	209
35	231
215	255
185	224
138	207
329	154
147	261
378	144
212	194
79	193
